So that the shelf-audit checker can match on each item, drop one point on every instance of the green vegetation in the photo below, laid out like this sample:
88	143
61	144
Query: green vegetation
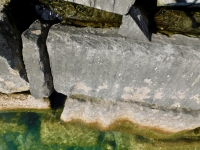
45	131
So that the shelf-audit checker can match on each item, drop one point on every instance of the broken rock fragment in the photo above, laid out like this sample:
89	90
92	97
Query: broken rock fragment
36	60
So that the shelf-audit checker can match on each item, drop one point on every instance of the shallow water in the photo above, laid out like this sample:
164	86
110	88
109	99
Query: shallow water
45	131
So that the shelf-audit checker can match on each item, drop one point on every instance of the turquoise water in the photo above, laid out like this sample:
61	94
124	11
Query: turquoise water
45	131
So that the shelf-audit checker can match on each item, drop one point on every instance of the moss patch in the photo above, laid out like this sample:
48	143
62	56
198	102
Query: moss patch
79	15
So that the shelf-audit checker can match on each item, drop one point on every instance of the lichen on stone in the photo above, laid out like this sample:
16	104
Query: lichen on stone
178	21
79	15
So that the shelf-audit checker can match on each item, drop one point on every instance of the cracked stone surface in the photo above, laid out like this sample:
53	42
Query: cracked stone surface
116	6
36	60
13	75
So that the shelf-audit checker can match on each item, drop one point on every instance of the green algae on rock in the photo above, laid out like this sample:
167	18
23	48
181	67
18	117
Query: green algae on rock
79	15
178	21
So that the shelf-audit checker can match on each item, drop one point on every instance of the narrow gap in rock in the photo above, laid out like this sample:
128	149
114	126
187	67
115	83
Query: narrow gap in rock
149	8
24	12
57	100
21	12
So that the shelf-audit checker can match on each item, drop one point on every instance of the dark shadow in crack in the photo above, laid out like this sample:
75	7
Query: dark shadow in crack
57	100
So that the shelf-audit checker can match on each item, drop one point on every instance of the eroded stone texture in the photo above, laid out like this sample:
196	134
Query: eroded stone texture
12	75
22	101
135	25
36	60
162	74
177	2
107	114
116	6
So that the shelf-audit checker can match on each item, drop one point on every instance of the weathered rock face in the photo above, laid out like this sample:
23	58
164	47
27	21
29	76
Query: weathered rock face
12	75
100	65
116	6
36	60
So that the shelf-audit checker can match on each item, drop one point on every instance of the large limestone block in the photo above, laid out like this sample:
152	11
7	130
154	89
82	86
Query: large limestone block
99	63
177	2
116	6
36	60
12	71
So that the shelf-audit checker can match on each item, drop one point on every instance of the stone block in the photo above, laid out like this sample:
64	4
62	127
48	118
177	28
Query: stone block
36	60
100	65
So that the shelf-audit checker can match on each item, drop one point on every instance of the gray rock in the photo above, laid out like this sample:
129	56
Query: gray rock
108	114
100	64
115	6
12	75
135	25
177	2
36	60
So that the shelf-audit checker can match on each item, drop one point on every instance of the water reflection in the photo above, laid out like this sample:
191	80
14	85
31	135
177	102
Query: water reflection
44	131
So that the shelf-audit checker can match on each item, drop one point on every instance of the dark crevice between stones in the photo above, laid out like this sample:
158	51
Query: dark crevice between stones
57	100
149	8
24	12
21	12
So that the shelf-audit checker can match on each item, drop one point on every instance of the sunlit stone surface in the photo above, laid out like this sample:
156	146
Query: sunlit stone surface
22	101
161	76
